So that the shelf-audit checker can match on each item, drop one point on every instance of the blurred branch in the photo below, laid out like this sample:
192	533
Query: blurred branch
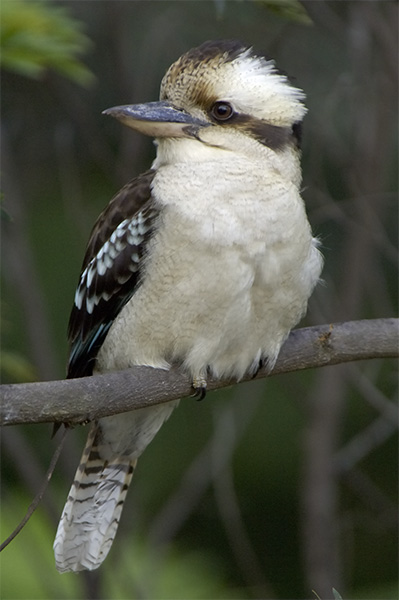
223	445
362	265
80	400
384	512
365	442
198	477
20	268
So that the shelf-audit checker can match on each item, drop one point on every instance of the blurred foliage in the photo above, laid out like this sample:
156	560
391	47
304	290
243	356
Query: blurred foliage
14	365
29	568
177	575
36	36
61	163
292	10
16	368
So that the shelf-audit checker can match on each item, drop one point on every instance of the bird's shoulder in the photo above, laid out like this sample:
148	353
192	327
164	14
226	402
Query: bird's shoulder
124	205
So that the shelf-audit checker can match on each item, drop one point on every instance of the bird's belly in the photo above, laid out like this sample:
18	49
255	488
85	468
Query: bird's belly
220	314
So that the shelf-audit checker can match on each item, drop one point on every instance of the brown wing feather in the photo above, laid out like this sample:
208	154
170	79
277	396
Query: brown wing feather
124	205
111	270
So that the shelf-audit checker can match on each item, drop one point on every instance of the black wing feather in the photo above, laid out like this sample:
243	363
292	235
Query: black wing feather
111	270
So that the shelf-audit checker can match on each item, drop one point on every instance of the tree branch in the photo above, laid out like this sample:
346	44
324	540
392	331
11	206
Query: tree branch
88	398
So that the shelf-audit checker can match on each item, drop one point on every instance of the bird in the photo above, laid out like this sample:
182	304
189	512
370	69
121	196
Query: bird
205	261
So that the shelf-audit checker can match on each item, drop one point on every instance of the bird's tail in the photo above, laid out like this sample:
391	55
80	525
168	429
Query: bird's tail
91	514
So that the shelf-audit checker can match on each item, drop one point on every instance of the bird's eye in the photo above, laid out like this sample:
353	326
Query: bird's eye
222	111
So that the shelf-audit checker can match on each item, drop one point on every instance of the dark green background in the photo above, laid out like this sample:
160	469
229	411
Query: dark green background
271	489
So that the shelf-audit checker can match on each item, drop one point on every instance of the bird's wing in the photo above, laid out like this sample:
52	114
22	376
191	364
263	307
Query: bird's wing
110	271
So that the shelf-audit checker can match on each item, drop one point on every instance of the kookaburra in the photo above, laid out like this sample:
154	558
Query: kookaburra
207	261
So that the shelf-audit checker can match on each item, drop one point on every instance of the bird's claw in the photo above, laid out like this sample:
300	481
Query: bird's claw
199	387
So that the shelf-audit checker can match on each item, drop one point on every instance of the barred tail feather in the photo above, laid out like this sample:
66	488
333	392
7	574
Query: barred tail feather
91	514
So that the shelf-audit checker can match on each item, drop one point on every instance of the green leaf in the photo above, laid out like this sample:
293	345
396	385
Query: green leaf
292	10
36	36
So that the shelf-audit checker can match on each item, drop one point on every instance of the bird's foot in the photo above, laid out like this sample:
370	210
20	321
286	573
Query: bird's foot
199	387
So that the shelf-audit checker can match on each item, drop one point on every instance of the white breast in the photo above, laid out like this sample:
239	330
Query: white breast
229	273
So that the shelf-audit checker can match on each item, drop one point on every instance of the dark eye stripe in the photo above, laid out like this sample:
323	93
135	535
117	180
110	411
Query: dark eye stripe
272	136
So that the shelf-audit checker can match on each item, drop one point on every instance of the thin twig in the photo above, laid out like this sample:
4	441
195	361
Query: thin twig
36	501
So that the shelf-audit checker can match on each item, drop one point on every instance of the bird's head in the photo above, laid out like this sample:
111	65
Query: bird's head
221	94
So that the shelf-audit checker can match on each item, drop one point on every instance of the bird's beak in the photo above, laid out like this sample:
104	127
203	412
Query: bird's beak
157	119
